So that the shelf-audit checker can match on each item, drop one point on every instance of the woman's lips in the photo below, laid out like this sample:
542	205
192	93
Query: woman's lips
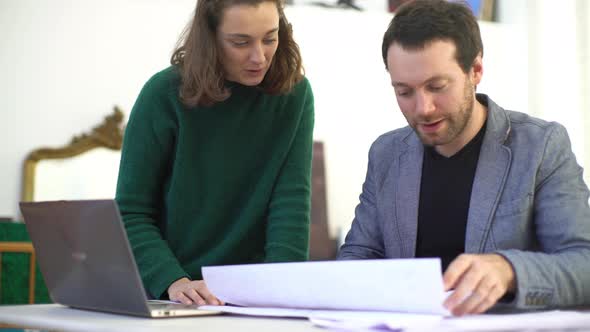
255	72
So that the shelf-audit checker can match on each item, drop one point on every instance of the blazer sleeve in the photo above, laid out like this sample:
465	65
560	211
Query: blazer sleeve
558	275
364	239
287	231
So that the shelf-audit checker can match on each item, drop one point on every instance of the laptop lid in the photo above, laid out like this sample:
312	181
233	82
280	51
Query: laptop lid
86	261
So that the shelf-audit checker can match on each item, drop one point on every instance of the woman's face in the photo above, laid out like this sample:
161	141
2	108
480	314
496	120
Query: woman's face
247	38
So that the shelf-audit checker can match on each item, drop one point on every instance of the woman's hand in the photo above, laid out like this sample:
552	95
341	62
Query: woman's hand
192	292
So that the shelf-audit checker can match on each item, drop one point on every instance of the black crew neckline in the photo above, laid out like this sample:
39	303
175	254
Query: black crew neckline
474	143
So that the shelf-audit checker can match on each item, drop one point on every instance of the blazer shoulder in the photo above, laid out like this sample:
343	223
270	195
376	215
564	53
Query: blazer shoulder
535	130
392	139
519	118
388	145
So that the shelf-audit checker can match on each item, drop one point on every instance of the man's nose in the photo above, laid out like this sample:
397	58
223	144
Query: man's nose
424	103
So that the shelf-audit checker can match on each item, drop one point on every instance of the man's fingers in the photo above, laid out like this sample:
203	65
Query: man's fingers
455	270
495	294
466	286
482	296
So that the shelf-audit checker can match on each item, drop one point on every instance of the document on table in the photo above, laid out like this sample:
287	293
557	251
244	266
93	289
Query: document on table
533	321
386	285
370	294
342	319
555	320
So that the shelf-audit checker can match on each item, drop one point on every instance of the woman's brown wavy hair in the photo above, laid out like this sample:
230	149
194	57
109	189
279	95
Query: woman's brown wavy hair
197	56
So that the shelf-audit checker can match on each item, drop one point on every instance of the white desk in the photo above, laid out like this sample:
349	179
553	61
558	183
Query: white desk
58	317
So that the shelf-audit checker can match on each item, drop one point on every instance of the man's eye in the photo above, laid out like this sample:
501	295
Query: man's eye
437	87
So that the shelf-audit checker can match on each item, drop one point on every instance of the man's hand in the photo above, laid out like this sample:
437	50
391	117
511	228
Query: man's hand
192	292
479	281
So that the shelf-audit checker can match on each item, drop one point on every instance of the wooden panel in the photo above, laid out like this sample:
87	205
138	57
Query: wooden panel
321	246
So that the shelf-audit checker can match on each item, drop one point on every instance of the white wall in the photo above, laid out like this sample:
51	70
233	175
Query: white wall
65	63
556	72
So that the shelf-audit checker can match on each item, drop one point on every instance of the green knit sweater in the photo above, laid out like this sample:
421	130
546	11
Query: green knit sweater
225	184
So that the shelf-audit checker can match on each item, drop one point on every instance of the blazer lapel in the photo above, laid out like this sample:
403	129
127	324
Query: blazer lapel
490	177
407	194
493	165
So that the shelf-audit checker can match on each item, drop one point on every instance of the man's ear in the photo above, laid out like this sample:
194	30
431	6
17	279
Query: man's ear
476	71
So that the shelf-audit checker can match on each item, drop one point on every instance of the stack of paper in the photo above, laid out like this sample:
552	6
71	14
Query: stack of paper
395	285
382	293
369	294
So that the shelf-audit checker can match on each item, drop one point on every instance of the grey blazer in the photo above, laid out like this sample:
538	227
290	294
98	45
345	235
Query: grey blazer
529	203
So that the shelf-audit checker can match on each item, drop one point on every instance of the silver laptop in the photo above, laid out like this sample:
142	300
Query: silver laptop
86	261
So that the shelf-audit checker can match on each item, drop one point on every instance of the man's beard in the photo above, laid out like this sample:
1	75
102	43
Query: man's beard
456	122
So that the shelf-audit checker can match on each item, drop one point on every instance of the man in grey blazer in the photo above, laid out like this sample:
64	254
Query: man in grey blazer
497	195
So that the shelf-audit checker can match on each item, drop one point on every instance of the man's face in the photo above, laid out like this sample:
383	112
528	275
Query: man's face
436	97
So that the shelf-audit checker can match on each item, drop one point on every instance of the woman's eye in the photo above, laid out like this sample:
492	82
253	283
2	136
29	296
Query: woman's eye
269	41
239	42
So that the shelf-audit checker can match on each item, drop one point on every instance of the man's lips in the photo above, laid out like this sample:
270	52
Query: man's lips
431	127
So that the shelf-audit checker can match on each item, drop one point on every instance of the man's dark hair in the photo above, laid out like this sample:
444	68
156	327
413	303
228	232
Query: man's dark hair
419	22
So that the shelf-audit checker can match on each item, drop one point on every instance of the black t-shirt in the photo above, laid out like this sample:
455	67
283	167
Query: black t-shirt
445	193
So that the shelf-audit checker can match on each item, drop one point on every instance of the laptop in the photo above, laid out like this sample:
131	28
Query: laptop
87	262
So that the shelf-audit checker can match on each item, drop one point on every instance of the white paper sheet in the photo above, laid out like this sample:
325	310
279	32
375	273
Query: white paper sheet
555	320
375	320
393	285
572	321
340	319
261	312
346	320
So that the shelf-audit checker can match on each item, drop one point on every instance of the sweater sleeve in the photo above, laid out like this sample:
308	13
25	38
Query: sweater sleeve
287	232
145	165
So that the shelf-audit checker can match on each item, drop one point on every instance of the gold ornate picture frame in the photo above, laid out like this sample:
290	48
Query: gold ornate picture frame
108	134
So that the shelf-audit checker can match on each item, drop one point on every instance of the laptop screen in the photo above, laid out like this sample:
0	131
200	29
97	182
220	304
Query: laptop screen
84	255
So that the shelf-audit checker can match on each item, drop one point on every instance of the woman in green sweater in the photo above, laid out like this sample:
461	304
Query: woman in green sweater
216	162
